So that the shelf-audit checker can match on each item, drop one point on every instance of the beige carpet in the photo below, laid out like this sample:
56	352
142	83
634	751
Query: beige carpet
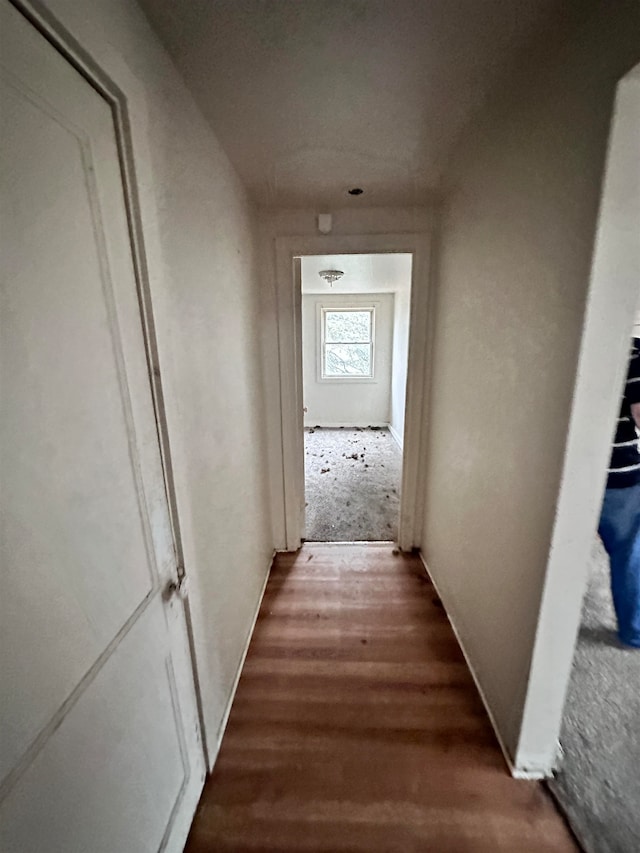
598	785
352	485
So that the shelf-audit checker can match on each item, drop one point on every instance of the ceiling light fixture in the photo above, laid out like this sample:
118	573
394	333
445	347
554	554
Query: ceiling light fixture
331	275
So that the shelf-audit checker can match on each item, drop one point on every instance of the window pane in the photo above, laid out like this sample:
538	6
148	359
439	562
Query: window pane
347	326
347	360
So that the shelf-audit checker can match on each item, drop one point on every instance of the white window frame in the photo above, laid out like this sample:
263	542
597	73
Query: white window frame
323	310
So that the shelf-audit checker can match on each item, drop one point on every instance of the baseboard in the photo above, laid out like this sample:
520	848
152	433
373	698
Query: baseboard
232	693
395	435
513	770
351	425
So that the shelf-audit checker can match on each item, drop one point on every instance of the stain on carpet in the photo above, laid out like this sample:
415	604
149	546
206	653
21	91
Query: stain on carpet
352	485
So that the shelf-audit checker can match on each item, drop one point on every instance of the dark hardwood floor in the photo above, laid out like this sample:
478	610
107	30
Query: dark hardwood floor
356	725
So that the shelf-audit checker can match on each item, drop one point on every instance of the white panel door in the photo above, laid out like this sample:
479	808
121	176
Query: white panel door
100	746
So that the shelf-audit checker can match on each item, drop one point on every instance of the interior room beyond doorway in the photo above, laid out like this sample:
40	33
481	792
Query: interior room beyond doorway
355	336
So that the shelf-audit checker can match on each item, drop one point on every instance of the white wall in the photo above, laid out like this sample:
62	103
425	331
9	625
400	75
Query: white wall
514	262
347	402
200	239
400	355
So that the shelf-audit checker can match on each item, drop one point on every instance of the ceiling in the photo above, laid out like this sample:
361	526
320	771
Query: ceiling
312	97
383	273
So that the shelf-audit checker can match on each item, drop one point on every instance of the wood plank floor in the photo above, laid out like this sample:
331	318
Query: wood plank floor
356	725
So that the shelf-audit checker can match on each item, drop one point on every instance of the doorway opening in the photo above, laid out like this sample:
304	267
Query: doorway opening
598	784
355	343
596	779
289	481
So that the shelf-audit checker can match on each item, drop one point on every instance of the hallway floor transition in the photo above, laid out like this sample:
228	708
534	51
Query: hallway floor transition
356	725
352	485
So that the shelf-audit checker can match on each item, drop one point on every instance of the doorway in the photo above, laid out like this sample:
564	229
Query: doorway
355	333
598	784
290	254
602	362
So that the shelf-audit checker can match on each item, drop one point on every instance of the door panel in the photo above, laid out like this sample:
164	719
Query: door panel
65	494
121	737
100	737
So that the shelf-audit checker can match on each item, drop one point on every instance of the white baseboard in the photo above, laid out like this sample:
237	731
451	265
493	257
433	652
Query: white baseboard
351	425
395	435
516	772
232	693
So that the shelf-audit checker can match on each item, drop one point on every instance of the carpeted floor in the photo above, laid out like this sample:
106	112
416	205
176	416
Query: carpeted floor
599	782
352	489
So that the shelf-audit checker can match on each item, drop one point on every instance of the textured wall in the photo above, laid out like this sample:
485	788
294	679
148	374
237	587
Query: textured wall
514	262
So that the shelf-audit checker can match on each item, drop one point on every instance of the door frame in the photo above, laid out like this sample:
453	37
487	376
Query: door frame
604	352
289	312
62	40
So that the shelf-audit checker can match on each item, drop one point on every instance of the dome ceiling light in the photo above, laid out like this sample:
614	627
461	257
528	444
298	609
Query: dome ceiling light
331	275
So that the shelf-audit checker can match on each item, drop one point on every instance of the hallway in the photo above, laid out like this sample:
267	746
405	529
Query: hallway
356	725
438	203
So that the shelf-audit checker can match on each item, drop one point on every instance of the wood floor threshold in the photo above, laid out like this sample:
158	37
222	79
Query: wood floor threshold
357	726
362	542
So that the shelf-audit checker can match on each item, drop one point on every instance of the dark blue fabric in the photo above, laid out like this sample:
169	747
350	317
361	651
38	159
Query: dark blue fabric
620	533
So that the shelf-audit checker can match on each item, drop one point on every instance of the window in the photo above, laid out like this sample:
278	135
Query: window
347	343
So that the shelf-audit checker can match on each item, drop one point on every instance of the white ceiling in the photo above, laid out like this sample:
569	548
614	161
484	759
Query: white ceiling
387	273
311	97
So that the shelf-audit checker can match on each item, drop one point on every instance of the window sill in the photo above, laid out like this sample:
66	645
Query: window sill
349	380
